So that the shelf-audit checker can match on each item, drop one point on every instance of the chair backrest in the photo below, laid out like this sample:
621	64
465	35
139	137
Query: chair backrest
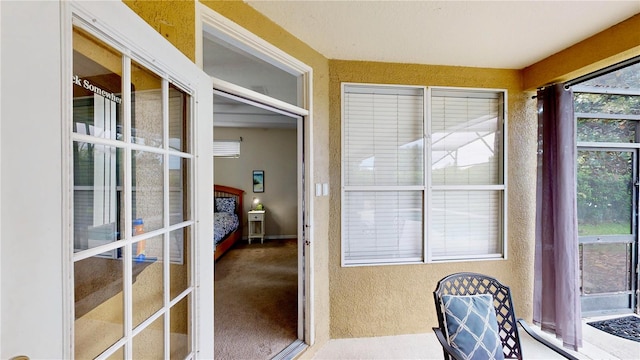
476	284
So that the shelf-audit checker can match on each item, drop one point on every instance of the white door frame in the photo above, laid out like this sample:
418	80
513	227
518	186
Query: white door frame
282	60
37	300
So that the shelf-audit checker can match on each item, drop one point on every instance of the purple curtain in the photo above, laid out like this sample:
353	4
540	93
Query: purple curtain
556	299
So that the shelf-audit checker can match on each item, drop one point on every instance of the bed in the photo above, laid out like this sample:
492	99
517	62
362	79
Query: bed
227	222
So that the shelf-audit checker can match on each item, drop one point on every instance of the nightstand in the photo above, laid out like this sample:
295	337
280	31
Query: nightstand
256	225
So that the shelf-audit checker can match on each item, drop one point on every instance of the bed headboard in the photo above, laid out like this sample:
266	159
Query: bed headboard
227	191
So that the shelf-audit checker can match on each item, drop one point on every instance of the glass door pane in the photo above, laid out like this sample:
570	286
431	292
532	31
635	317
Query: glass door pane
132	198
606	228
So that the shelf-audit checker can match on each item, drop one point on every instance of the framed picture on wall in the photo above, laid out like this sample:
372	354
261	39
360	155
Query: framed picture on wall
258	181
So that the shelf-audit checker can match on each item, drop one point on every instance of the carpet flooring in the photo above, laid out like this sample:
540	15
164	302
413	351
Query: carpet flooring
256	300
627	327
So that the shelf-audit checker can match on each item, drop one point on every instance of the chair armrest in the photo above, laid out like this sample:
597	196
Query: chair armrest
544	341
445	344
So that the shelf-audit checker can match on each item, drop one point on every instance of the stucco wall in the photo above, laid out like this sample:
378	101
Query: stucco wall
397	299
173	19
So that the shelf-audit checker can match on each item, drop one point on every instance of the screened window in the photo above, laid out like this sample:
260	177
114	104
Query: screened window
389	214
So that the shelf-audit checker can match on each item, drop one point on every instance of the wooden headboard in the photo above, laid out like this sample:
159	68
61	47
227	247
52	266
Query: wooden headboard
227	191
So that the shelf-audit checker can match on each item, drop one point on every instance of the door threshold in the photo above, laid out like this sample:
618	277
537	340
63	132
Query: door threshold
291	351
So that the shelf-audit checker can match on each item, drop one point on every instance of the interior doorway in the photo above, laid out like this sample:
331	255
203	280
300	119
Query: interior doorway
256	285
262	78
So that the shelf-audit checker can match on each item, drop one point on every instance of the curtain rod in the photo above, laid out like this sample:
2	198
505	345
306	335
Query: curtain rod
597	73
607	70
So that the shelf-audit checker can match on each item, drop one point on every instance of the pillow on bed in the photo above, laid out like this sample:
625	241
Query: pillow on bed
226	204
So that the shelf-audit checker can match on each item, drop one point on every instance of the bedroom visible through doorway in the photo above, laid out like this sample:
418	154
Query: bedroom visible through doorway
256	282
254	80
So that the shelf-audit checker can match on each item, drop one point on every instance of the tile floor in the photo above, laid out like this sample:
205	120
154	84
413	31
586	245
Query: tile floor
596	345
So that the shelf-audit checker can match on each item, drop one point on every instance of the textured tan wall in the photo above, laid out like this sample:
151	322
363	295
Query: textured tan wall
613	45
397	299
174	19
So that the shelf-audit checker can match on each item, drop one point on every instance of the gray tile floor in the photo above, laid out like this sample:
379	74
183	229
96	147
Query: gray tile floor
596	345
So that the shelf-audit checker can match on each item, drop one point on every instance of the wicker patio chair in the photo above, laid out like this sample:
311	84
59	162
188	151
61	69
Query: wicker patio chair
462	284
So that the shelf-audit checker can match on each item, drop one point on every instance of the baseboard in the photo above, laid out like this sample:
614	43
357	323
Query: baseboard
275	237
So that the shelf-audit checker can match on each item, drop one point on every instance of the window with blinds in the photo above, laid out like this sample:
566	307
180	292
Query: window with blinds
383	174
389	214
467	176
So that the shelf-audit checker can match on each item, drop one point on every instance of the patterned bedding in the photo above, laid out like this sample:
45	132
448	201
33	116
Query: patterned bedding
224	224
225	220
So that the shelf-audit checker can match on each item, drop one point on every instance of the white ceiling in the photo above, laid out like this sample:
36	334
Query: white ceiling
497	34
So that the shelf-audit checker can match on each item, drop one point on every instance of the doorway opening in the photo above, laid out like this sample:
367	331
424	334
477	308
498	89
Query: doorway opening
261	100
256	279
607	112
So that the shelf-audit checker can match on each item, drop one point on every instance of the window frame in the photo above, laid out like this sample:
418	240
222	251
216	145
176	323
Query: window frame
428	188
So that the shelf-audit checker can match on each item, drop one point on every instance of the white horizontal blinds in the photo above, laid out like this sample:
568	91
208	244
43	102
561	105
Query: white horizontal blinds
383	135
466	174
382	226
466	138
466	224
226	148
383	163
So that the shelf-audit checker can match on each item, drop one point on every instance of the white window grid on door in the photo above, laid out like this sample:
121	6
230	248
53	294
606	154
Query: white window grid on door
128	239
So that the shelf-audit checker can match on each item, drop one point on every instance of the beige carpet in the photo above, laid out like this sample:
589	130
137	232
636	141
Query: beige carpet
256	300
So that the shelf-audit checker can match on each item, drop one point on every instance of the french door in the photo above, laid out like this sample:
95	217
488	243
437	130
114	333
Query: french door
607	228
141	259
106	187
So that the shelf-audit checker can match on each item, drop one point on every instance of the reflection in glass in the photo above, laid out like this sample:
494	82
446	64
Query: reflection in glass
605	185
179	248
180	338
97	195
146	107
465	141
99	305
118	355
97	87
178	114
605	130
147	276
147	189
149	343
178	195
605	268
